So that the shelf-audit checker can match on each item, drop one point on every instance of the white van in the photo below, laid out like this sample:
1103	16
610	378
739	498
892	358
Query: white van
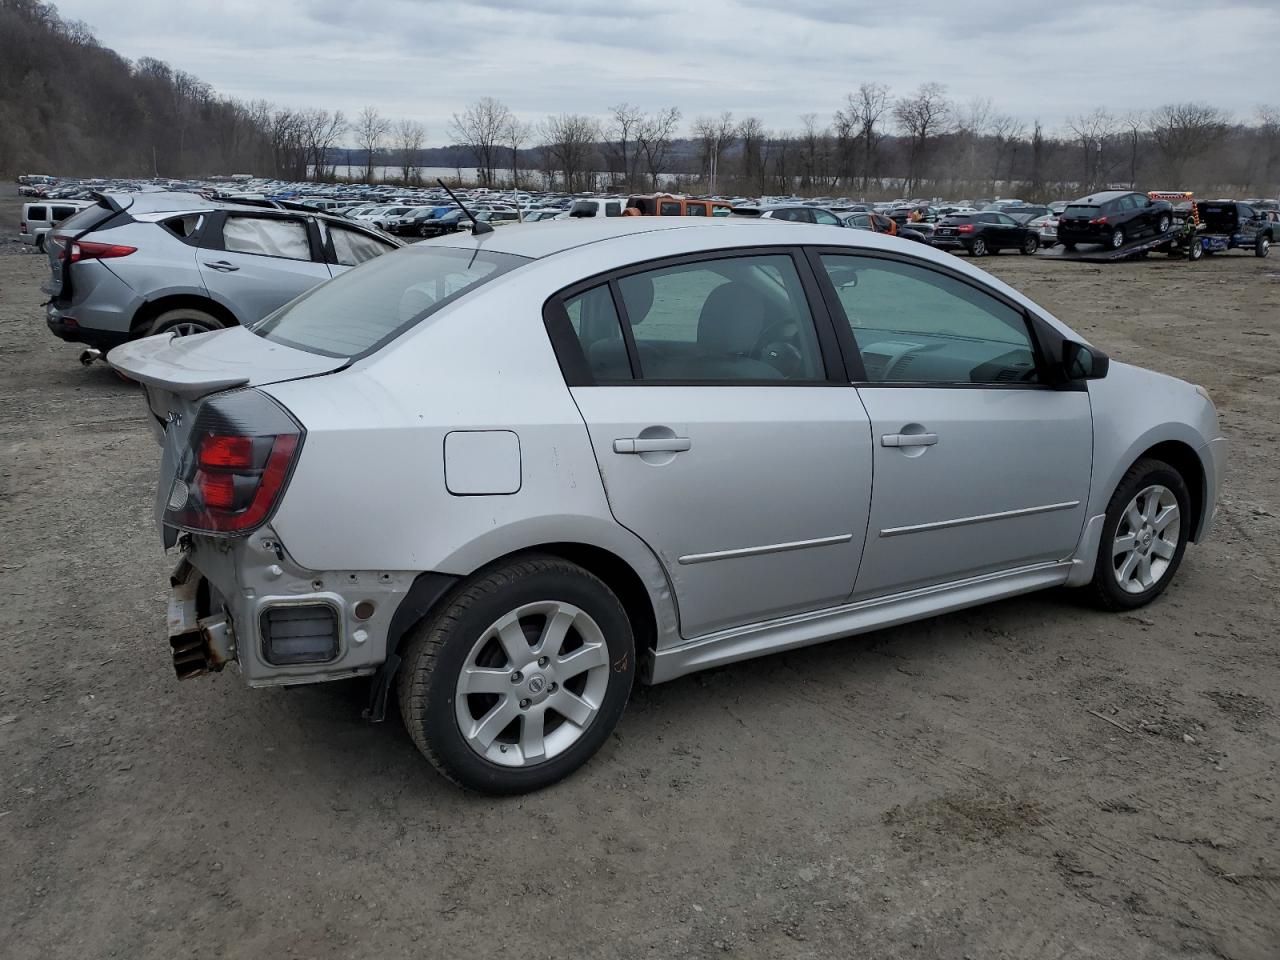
39	218
597	207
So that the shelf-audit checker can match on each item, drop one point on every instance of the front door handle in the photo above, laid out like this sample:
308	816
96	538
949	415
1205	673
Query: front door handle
652	445
222	265
909	439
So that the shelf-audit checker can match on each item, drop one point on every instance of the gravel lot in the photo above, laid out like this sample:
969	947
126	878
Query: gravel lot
940	790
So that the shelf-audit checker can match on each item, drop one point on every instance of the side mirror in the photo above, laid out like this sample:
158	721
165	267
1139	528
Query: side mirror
1080	362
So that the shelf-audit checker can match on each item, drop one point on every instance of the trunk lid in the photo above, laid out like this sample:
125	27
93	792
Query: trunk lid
195	366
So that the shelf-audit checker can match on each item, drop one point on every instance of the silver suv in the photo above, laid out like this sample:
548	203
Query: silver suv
137	264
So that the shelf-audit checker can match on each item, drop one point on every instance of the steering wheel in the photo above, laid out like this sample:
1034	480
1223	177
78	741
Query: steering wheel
775	348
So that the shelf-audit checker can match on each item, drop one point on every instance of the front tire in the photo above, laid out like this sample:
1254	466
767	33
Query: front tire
519	677
1030	245
1196	250
1262	247
1144	536
1163	226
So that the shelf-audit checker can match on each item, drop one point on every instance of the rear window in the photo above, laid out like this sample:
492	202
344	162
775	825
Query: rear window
359	311
1081	210
87	219
37	213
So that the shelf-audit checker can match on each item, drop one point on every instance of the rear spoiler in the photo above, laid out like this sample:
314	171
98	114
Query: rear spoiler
112	200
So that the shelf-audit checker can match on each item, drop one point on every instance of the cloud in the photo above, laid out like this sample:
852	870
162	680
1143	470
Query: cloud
426	59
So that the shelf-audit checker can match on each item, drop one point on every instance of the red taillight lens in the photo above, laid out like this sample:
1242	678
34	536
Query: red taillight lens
239	457
965	228
1099	221
223	451
90	250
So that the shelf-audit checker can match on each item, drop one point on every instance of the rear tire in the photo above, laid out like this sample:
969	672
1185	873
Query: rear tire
978	248
185	321
491	630
1069	247
1117	238
1030	245
40	243
1144	536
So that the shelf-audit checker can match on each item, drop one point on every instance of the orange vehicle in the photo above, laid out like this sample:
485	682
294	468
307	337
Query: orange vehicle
666	205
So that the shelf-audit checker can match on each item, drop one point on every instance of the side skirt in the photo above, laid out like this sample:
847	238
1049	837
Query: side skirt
802	630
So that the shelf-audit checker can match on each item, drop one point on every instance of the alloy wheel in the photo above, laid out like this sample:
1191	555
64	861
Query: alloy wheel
1146	539
532	683
185	328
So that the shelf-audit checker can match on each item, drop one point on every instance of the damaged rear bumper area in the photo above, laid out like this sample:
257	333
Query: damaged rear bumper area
245	602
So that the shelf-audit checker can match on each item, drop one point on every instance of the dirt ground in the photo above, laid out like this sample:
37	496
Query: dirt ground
941	790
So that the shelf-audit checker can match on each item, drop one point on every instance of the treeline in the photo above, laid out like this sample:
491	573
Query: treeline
71	107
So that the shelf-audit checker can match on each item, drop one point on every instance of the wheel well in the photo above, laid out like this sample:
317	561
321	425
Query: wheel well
1183	459
618	577
148	312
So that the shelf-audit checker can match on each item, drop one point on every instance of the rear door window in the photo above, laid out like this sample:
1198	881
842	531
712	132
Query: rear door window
732	319
61	213
267	236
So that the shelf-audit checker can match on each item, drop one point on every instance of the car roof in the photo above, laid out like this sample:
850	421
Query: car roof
1103	197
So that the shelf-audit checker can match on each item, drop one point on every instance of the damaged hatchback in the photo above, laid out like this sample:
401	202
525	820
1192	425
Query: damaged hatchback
503	475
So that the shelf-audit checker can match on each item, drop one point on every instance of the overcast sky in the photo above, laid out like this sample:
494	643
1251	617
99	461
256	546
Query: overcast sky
776	59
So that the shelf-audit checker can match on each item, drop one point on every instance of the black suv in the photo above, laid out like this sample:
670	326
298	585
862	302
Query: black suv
1113	219
988	231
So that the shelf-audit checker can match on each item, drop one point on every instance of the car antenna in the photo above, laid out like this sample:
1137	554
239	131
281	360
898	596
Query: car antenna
477	227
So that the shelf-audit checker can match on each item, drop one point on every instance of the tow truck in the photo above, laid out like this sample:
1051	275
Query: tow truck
1216	226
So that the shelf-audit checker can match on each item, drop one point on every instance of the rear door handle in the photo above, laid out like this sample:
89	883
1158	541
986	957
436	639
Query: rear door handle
652	445
222	265
909	439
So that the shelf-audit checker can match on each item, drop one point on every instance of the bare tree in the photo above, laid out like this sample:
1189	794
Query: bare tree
921	118
714	135
755	155
1134	124
866	108
409	138
320	131
1268	156
624	121
1182	132
570	139
518	134
1092	131
1007	134
482	128
653	141
371	129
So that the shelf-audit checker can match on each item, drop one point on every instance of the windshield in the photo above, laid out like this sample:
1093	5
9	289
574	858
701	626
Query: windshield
359	311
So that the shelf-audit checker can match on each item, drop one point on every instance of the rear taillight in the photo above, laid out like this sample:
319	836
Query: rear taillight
22	226
91	250
1098	221
238	460
965	228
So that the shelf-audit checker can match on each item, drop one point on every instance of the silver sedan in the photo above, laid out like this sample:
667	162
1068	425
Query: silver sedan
511	473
